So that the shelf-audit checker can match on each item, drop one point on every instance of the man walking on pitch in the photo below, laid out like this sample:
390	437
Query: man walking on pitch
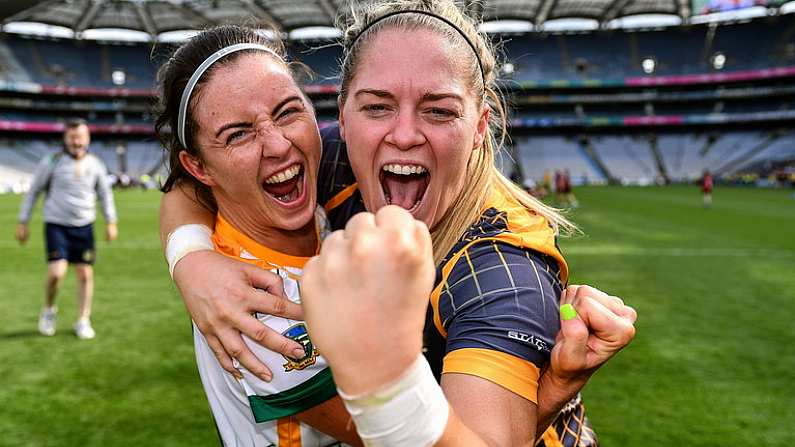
72	180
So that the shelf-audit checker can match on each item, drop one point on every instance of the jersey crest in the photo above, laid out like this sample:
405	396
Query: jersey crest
298	333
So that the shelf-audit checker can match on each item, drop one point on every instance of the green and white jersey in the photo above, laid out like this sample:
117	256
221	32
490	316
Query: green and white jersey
252	412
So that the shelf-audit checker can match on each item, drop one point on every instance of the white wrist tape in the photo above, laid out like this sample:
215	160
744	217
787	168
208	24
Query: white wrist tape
186	239
412	412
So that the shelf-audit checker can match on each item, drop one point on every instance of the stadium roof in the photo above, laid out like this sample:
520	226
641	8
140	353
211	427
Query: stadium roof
158	16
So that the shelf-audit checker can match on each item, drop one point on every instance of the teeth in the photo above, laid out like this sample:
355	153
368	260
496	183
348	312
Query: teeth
389	200
399	169
283	176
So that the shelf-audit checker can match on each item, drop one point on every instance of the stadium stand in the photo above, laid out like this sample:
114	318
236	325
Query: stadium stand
538	154
600	55
143	158
617	54
17	163
687	155
780	149
581	101
10	68
676	51
628	158
80	62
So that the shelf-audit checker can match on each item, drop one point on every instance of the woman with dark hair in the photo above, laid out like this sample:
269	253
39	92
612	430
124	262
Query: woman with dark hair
242	134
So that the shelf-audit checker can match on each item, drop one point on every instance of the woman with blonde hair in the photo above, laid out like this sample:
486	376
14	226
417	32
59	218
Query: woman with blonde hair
420	125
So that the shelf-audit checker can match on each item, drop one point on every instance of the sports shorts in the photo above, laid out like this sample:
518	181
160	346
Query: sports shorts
75	244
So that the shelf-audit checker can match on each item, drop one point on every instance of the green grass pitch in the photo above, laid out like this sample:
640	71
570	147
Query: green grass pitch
712	364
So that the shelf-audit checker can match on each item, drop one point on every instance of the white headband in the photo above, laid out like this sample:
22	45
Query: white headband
183	103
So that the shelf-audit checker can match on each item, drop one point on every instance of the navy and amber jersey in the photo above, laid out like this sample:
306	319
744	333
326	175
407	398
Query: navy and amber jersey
494	310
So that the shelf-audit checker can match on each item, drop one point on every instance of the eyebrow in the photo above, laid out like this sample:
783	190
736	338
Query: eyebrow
284	102
374	92
276	109
426	97
229	126
440	96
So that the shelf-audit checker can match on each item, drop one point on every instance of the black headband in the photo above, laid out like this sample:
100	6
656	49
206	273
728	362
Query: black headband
429	14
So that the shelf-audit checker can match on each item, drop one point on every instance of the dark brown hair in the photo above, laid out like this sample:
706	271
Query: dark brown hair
74	123
172	78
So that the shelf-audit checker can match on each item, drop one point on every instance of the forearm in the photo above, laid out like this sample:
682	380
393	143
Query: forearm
26	210
415	410
456	433
108	209
105	194
412	410
180	207
331	418
553	394
495	414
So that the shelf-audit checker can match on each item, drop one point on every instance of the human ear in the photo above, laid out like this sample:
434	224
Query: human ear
341	107
196	168
482	127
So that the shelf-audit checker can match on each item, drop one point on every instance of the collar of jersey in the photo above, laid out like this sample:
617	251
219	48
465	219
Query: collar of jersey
231	241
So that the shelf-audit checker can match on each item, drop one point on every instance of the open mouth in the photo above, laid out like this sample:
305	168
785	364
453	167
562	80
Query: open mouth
286	186
404	184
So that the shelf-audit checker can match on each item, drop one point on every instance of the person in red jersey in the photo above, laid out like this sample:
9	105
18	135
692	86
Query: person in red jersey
707	184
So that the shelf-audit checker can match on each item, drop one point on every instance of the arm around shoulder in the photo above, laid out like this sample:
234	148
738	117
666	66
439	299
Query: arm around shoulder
220	293
180	207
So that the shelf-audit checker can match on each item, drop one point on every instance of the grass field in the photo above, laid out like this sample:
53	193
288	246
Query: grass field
713	362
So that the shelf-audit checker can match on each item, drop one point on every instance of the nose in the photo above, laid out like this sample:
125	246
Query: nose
274	143
405	132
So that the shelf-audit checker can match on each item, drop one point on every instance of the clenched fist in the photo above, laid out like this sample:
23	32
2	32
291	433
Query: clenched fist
365	297
604	325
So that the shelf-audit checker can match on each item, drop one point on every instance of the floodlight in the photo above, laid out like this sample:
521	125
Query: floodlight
649	65
718	61
119	77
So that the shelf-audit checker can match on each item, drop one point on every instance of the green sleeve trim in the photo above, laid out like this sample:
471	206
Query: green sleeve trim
312	392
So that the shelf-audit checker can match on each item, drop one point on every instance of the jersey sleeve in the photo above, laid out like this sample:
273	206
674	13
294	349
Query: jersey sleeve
40	177
498	308
105	192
